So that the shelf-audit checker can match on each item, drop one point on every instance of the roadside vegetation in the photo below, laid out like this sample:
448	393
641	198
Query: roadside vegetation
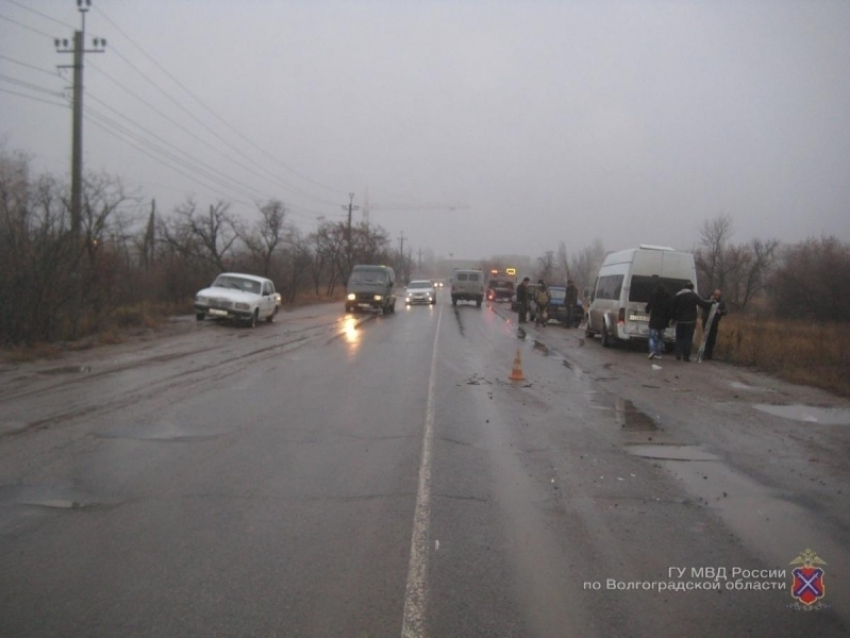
795	350
129	267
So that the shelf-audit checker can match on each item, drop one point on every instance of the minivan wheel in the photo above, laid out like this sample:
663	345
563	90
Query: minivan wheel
454	301
478	303
200	316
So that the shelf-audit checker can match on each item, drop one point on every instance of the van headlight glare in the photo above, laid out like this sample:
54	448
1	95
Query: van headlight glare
352	296
378	297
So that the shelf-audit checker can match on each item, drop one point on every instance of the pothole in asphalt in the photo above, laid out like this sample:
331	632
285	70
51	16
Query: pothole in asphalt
671	453
807	413
161	432
630	418
66	370
541	347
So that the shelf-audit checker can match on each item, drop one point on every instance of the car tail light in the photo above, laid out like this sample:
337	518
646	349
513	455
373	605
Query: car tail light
621	318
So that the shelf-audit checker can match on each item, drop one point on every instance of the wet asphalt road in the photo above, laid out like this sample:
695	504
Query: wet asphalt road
333	475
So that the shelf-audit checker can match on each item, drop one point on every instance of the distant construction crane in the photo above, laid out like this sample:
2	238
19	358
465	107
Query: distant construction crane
367	207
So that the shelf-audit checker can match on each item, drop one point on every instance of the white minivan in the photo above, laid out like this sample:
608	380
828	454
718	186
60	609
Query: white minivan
625	283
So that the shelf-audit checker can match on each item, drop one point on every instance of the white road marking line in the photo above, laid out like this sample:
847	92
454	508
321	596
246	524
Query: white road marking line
416	595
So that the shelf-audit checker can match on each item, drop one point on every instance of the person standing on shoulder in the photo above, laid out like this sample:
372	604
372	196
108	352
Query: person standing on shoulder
542	297
719	313
659	318
522	300
685	305
571	301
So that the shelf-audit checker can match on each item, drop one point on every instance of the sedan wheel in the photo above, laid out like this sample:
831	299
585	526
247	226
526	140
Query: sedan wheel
252	322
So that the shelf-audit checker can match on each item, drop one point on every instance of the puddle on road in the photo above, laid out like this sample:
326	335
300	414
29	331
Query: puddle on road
66	370
630	418
47	496
541	347
807	413
670	453
161	432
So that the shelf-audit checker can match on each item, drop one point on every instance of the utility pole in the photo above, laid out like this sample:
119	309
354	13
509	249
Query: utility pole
62	46
401	244
351	208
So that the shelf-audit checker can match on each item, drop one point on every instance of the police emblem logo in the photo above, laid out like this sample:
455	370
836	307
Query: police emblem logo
808	586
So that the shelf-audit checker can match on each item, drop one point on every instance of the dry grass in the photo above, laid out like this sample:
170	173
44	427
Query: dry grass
815	354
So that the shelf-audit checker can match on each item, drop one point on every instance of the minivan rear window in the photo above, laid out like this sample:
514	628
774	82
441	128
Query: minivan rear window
473	276
643	287
609	286
462	276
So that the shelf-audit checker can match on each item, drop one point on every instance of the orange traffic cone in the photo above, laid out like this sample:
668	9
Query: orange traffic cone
516	373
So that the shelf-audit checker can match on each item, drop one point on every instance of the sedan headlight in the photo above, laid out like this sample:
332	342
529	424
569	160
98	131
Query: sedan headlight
241	306
201	299
378	297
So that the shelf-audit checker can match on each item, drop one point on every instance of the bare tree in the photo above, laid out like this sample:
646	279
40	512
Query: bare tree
710	257
546	266
749	266
211	237
268	234
585	265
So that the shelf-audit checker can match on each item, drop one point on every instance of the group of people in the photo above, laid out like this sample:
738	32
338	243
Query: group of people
541	297
682	310
524	299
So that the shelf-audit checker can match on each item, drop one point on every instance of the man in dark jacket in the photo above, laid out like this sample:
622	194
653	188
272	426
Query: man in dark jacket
719	313
659	318
522	300
685	305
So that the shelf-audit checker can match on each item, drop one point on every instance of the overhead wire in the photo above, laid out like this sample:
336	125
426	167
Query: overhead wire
206	179
217	136
39	13
25	26
36	99
53	73
213	113
175	123
220	175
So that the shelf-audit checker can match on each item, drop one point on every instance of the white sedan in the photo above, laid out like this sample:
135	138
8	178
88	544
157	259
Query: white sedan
239	297
420	291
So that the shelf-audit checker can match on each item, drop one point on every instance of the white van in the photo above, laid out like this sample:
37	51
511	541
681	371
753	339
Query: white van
625	283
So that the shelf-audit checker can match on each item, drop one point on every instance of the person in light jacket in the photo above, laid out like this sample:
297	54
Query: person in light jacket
716	297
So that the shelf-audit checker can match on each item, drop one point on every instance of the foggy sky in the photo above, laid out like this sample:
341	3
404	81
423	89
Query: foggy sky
630	122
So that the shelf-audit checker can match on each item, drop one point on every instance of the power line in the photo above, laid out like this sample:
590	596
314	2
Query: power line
28	85
36	99
25	26
39	13
220	175
213	113
196	137
30	66
216	135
